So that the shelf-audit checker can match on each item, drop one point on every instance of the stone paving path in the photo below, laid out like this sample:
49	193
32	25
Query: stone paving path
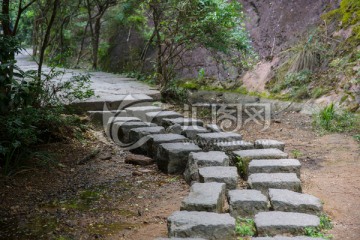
273	195
107	86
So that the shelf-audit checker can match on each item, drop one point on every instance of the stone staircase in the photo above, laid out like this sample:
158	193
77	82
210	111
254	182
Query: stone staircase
206	157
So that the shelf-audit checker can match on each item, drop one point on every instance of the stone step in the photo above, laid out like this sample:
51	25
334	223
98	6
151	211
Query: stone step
208	197
289	201
192	131
285	238
125	128
243	157
226	175
213	128
276	223
207	140
233	146
113	124
265	181
211	226
180	239
167	122
140	112
157	117
140	136
203	159
172	158
275	166
115	102
269	143
102	117
246	203
154	141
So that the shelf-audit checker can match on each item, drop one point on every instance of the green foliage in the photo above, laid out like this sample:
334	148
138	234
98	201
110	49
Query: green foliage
320	231
357	137
296	153
245	227
329	120
318	92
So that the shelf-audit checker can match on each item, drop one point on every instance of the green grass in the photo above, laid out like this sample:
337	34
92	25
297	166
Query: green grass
330	120
320	231
296	153
245	227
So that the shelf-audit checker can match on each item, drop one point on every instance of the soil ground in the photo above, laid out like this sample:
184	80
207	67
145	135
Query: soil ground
91	193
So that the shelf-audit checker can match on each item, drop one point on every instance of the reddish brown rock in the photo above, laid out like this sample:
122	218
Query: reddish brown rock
139	160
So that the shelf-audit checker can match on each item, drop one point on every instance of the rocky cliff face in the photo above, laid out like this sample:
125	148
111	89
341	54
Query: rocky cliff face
273	26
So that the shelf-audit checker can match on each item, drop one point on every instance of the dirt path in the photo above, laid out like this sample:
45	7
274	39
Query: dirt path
331	168
104	198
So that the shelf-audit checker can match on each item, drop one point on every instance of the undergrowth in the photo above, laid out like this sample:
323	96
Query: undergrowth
320	231
331	120
245	228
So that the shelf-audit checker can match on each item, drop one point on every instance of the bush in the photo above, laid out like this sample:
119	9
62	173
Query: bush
329	120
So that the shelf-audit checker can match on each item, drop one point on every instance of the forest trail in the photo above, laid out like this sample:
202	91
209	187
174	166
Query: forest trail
107	86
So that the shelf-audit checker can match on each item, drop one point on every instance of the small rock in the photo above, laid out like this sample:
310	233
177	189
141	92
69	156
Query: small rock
105	156
137	173
138	160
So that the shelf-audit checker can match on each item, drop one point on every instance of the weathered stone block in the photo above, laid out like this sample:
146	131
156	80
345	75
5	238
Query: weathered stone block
264	181
213	128
102	117
275	166
286	238
154	141
233	146
140	112
192	131
276	223
226	175
157	117
211	226
245	156
207	140
138	133
124	129
247	203
166	122
289	201
172	157
208	197
269	143
203	159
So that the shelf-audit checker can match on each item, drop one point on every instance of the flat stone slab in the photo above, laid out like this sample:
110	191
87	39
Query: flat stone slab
172	157
192	131
270	153
166	122
102	117
265	181
154	141
245	156
211	226
157	117
180	239
247	203
124	129
209	139
138	133
213	128
269	143
226	175
286	238
208	197
203	159
233	146
275	223
289	201
113	124
275	166
140	112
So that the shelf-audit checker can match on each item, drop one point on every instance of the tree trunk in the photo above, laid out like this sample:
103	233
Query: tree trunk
96	41
44	44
